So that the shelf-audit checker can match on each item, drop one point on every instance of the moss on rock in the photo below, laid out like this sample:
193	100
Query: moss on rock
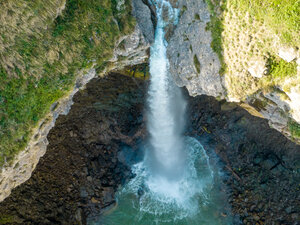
294	127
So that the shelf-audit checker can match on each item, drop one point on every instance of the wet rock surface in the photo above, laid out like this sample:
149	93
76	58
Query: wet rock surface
82	168
263	166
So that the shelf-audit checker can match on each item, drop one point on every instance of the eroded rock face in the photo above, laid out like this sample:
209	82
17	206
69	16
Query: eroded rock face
193	63
82	168
143	14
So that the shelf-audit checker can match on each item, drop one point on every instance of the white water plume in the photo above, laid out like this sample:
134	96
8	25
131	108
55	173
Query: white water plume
166	104
174	184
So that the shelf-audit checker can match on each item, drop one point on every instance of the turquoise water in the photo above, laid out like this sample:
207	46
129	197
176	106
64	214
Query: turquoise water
197	198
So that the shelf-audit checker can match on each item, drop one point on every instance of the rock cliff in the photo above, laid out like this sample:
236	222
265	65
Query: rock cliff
221	49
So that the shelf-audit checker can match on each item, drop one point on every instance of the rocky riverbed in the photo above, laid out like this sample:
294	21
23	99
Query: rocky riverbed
86	162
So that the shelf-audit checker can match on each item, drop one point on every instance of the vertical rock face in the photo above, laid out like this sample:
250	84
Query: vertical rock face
143	15
193	63
249	77
133	49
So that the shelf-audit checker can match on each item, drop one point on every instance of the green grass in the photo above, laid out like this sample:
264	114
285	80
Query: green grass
279	70
216	27
282	69
282	16
32	80
294	128
5	219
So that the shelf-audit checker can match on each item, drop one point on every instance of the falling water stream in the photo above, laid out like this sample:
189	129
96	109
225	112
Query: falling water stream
174	184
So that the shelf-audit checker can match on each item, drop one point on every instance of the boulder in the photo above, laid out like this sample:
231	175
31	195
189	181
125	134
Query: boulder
287	53
258	68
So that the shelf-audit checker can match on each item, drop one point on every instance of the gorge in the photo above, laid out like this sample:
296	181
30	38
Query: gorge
171	149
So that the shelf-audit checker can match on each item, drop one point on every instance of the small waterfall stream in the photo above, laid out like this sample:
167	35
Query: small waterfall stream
175	183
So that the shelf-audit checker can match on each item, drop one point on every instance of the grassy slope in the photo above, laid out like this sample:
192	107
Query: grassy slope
252	30
282	16
41	54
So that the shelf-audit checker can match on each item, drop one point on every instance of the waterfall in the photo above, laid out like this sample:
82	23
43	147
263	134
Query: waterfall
171	175
166	106
174	184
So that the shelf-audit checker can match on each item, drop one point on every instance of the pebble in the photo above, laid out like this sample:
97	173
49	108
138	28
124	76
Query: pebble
256	217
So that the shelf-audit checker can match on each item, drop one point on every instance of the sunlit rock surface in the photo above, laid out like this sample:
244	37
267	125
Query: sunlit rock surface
193	63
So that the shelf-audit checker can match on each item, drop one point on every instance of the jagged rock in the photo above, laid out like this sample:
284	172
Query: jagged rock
130	50
294	103
277	107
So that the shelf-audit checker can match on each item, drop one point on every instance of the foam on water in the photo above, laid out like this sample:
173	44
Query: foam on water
163	196
195	199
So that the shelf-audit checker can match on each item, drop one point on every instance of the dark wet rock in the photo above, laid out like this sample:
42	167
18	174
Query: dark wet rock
262	165
78	176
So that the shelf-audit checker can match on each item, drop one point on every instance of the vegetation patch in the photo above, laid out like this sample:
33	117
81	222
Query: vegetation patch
140	71
197	63
282	69
294	127
4	219
43	46
216	27
282	16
